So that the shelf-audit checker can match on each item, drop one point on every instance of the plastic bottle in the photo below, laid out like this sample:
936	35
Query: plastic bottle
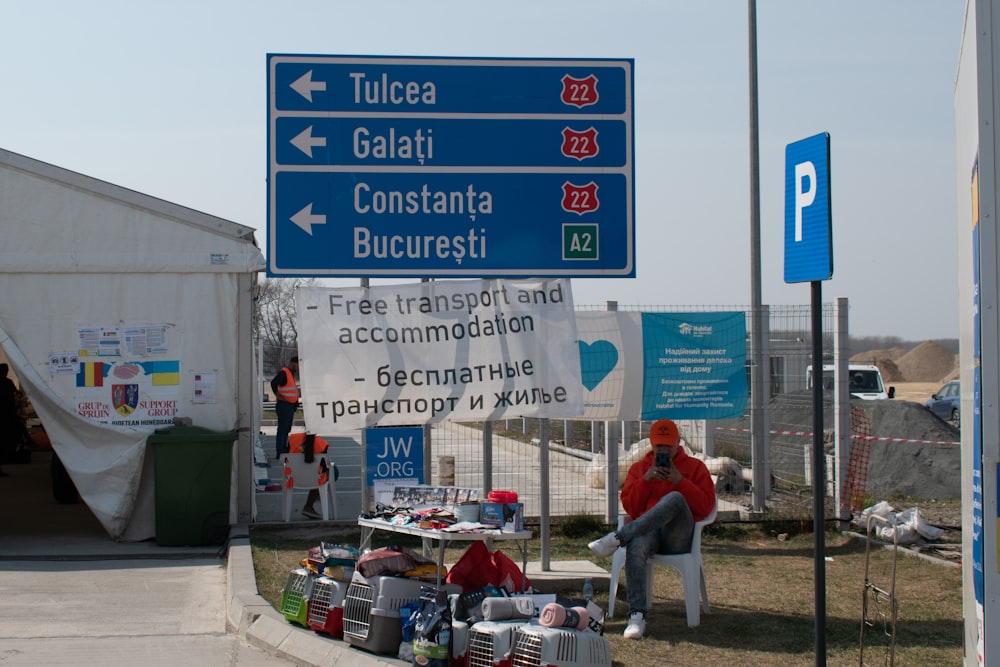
588	590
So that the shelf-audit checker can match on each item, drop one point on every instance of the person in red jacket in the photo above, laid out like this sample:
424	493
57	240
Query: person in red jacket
665	493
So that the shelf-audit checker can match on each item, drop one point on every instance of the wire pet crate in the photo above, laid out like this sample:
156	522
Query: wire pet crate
539	646
490	643
326	607
371	610
295	596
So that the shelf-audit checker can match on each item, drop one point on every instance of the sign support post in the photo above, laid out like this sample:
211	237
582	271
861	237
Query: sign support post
809	258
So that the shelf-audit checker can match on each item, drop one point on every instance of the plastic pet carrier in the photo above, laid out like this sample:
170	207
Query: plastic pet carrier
539	646
491	643
371	610
295	596
326	606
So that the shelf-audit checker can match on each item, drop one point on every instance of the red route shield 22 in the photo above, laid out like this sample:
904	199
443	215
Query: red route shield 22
579	92
580	199
580	145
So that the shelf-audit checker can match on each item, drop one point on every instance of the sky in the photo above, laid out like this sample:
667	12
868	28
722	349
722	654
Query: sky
171	100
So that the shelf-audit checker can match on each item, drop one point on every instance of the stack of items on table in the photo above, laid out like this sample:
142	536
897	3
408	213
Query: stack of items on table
450	508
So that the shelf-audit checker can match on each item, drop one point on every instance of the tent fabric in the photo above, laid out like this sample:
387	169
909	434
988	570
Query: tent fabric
78	252
92	226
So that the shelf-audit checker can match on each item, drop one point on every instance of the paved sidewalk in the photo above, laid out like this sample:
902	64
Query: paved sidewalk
99	603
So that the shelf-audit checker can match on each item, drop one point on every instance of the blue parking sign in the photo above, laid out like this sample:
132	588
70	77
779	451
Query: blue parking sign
808	221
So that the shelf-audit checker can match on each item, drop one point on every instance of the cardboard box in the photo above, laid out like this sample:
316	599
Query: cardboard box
508	516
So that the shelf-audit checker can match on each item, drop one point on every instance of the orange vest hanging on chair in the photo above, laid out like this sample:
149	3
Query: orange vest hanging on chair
288	391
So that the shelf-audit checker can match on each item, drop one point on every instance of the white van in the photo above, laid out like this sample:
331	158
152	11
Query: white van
865	381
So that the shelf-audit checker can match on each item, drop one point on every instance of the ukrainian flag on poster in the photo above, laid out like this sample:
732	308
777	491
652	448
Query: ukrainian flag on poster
91	374
694	365
164	373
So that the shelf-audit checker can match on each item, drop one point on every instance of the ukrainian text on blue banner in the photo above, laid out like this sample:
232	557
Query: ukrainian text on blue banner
694	365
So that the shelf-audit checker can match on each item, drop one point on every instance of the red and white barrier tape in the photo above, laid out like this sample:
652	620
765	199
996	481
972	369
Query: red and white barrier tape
857	437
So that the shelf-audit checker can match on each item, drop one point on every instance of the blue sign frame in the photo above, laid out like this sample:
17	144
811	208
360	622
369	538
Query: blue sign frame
450	167
808	218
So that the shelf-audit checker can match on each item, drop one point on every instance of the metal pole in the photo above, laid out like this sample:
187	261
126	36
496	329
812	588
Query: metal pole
819	468
841	415
758	401
543	527
487	458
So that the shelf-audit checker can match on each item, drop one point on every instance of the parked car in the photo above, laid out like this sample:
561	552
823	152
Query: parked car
947	403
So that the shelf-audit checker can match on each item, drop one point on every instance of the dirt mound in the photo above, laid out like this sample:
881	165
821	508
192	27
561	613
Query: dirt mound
885	360
904	439
875	356
890	371
927	362
929	466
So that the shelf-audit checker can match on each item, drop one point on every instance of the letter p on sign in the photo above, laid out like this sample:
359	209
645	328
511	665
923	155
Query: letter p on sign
805	192
808	224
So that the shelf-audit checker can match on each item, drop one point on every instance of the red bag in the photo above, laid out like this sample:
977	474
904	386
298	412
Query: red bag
475	569
510	575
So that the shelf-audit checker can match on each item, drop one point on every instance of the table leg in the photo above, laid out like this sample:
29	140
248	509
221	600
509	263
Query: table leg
440	562
366	537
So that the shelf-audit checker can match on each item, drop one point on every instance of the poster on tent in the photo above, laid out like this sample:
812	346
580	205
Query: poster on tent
138	394
655	365
428	352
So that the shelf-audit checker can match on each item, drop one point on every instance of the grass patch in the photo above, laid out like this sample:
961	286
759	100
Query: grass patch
760	585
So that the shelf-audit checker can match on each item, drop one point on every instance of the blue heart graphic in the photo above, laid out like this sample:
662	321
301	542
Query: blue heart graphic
597	359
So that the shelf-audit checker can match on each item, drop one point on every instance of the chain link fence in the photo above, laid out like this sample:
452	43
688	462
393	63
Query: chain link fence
562	468
577	452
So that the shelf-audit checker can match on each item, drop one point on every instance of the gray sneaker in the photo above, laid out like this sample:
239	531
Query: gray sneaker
636	627
606	545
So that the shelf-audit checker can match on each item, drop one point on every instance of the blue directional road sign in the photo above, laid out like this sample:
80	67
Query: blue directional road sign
808	221
450	167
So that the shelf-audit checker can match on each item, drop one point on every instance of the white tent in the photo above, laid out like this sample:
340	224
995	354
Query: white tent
119	312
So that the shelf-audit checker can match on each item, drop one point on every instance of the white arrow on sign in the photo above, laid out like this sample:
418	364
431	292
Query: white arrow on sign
304	85
305	219
305	141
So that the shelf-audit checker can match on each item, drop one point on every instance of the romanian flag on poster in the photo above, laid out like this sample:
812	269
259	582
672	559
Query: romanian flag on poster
91	374
164	373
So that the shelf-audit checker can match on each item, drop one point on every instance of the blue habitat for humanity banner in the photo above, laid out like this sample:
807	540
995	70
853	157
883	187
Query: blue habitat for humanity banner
694	365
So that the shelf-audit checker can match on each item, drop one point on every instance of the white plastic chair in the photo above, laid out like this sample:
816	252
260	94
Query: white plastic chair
688	565
301	476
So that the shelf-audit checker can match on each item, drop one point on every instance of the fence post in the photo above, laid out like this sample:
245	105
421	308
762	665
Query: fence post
760	397
611	436
841	413
543	527
487	458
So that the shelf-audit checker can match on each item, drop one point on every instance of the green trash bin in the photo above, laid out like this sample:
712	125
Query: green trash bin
191	473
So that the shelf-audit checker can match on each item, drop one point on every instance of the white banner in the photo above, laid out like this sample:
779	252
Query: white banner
610	352
428	352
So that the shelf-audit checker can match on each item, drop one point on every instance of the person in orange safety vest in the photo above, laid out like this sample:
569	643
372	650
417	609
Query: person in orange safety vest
286	402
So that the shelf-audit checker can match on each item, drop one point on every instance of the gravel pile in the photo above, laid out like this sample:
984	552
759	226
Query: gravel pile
922	469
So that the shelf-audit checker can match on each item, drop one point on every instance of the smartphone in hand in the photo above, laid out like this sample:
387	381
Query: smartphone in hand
662	460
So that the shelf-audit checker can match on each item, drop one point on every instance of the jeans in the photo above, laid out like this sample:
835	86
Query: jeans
667	528
286	415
